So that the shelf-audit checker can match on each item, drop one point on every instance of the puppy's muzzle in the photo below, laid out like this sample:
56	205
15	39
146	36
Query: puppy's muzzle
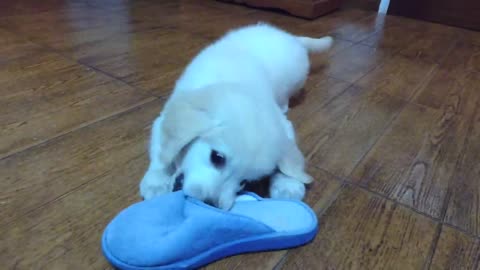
178	185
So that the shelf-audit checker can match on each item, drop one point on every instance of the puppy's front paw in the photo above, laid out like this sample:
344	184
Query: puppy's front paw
155	183
226	202
284	187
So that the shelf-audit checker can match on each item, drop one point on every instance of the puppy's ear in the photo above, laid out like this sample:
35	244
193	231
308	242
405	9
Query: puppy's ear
186	117
292	164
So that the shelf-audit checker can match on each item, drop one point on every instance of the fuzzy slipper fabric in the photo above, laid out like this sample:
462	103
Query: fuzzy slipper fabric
178	232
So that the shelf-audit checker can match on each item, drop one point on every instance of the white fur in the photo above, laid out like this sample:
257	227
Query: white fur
232	98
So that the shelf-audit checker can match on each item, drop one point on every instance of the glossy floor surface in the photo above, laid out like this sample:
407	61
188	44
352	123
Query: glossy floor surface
390	123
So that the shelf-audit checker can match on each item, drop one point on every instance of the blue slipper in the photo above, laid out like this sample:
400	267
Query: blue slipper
178	232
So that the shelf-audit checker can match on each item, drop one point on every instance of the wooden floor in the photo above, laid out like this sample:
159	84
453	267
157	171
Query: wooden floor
390	124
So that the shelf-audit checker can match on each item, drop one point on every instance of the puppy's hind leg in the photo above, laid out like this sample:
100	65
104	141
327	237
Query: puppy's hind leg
289	182
286	187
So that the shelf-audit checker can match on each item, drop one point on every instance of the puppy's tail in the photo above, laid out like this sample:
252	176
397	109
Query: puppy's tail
316	45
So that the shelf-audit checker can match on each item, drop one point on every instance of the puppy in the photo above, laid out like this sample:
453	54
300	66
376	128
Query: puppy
226	119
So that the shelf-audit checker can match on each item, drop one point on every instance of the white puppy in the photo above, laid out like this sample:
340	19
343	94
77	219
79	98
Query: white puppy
225	121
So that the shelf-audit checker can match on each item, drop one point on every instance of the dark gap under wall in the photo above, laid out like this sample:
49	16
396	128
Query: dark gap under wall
460	13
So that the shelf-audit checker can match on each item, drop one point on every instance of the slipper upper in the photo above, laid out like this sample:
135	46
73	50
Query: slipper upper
173	227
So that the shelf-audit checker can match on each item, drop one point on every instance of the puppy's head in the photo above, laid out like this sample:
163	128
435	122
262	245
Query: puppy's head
220	136
209	172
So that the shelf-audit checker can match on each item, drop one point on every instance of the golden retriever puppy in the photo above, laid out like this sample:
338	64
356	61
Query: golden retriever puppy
226	123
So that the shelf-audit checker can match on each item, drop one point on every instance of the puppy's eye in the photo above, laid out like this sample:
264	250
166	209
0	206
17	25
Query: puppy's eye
217	159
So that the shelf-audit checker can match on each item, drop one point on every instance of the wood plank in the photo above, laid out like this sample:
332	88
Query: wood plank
392	37
455	250
463	58
136	58
41	175
319	61
468	36
337	136
354	62
393	153
320	194
398	76
66	233
208	27
464	200
25	7
445	88
13	46
319	90
415	160
78	219
361	29
45	95
400	32
428	47
335	20
418	26
77	26
363	231
202	18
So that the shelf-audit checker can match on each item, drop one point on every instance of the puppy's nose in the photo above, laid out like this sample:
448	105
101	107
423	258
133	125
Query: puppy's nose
178	182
